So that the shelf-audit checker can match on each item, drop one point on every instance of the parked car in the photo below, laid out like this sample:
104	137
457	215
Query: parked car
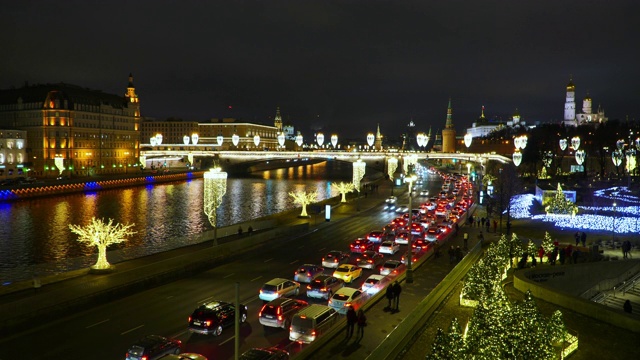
278	312
389	247
348	272
335	258
307	272
345	298
370	285
361	245
390	267
152	347
183	356
270	353
278	287
324	286
370	260
213	316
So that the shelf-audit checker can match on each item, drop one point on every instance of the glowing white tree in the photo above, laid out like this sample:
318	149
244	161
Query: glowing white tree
343	188
359	168
392	166
101	234
304	198
215	186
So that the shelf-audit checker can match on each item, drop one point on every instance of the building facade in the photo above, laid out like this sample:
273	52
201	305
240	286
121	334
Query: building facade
587	116
13	155
72	130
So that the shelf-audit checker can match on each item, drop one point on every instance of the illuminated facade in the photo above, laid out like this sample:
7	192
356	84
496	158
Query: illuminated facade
587	116
72	130
13	144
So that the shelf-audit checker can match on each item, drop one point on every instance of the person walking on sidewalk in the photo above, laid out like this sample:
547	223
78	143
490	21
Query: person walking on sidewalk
352	319
397	289
466	240
389	295
362	322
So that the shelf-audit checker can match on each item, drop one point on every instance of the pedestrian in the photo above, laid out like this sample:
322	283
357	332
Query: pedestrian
459	254
362	322
452	255
575	255
482	220
397	289
466	239
627	307
554	255
240	230
471	220
436	249
583	238
250	230
481	237
561	256
495	225
488	223
540	253
389	295
352	319
625	248
577	237
568	252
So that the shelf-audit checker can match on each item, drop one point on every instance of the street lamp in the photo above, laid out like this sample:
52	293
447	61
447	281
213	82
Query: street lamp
215	186
410	180
613	228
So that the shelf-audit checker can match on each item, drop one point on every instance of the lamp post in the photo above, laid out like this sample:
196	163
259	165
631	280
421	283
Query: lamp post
613	228
410	179
215	186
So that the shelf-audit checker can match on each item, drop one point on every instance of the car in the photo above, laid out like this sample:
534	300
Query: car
348	272
443	228
375	236
270	353
278	287
420	245
324	286
370	260
371	284
391	200
390	267
414	258
345	298
388	247
416	228
334	258
307	272
441	211
432	234
424	193
402	238
183	356
153	347
361	245
213	316
389	207
430	205
401	209
443	194
278	313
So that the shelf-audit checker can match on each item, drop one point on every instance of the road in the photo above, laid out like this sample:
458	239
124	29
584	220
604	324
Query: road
105	332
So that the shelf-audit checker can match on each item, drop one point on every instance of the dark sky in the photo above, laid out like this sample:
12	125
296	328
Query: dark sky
342	66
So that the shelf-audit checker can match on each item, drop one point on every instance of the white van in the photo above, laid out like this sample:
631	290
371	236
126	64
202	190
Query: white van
311	322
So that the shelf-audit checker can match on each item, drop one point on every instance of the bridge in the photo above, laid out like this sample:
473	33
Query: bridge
246	159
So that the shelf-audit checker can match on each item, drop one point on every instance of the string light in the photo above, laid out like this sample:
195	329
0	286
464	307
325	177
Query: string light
215	186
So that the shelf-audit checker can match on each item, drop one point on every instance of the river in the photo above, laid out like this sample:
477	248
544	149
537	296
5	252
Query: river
35	239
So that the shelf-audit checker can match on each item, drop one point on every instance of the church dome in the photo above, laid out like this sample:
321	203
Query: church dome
570	85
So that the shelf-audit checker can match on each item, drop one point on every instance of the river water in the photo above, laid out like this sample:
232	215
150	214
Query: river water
35	239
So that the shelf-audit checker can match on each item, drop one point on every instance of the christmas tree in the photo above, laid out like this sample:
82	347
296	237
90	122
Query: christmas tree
560	205
556	328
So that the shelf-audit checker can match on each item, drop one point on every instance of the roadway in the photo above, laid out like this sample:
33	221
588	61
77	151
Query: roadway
106	331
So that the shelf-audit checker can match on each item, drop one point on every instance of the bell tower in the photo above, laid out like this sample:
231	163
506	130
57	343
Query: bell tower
133	97
278	120
570	104
449	133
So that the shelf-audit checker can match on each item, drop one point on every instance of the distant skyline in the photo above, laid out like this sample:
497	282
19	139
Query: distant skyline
339	66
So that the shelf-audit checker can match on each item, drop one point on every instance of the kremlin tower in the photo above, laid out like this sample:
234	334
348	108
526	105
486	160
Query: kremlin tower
449	133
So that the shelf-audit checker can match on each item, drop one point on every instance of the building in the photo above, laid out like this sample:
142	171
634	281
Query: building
72	130
13	155
483	127
449	133
587	116
171	131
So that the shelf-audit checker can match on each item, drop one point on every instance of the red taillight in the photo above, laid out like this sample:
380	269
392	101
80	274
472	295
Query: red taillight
347	304
370	261
308	274
279	317
335	260
145	358
308	287
323	289
207	323
189	318
322	259
290	328
313	333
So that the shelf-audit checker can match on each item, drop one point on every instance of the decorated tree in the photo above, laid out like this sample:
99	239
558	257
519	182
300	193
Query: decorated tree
528	336
547	243
556	329
515	248
303	199
455	341
101	234
560	205
343	188
440	348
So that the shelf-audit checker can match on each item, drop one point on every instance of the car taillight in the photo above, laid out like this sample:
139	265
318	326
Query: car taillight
145	358
308	287
370	261
330	302
313	333
207	323
323	289
260	291
189	318
279	317
347	304
308	274
322	259
290	328
335	260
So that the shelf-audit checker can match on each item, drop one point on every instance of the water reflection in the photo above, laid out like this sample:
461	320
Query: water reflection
35	234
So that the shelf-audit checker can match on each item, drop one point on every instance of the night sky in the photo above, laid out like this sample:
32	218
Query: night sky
336	66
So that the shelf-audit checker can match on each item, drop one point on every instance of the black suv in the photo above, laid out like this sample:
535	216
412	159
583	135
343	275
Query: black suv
212	317
153	347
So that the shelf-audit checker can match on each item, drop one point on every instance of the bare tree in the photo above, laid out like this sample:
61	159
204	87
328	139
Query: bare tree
343	188
101	234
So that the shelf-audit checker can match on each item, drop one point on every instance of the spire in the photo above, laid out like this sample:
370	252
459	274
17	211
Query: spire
482	113
278	120
130	80
378	131
449	124
429	133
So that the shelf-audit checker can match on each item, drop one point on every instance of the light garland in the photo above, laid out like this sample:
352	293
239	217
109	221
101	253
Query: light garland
215	186
392	166
359	168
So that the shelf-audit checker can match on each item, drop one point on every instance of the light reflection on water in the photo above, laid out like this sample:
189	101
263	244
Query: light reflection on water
35	236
